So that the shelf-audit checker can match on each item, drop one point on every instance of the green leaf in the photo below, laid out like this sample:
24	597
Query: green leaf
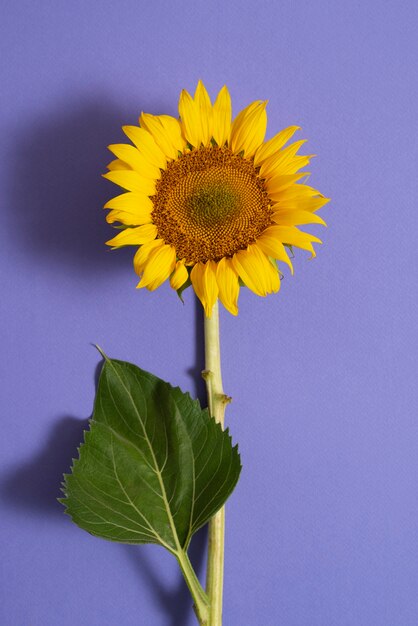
154	466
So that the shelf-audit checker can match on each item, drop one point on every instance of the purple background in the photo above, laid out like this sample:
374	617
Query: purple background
322	529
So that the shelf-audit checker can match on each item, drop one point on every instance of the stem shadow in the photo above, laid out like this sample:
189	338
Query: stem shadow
195	372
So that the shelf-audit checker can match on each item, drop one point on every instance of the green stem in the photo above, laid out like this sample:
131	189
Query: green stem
217	401
201	603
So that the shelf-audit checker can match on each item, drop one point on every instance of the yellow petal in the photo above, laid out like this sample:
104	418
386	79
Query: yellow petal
117	164
289	167
129	208
134	236
278	161
145	143
142	254
273	145
172	129
222	116
203	277
297	163
190	115
166	132
277	184
295	218
129	200
294	237
299	192
179	276
135	160
272	247
158	267
303	204
256	271
249	128
249	110
203	106
129	219
132	181
227	279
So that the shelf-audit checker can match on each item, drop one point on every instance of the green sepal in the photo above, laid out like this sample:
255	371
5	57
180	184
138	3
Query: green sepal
290	248
187	284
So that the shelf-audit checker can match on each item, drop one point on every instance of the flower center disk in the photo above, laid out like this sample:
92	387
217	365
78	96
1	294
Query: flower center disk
209	204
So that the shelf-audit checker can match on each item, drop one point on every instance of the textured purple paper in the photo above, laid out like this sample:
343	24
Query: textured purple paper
322	529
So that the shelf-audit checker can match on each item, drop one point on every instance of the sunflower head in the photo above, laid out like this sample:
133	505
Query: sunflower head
208	202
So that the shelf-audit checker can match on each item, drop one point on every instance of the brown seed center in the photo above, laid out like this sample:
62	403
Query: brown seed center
209	204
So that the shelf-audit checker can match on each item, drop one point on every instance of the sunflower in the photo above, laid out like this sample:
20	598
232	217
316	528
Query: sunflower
208	202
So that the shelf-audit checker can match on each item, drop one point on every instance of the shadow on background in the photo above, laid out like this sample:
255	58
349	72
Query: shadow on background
55	210
34	486
195	372
176	601
57	192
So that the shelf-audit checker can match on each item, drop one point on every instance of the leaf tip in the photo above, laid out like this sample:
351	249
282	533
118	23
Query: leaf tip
99	349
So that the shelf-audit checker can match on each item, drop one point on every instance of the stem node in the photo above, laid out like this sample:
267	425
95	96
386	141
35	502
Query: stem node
224	398
207	375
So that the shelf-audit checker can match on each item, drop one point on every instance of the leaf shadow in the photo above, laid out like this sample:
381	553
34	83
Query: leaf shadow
175	601
34	485
32	488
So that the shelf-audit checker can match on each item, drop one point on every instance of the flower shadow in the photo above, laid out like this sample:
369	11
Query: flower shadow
56	190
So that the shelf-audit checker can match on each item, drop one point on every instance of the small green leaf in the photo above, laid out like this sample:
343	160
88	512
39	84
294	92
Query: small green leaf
154	466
